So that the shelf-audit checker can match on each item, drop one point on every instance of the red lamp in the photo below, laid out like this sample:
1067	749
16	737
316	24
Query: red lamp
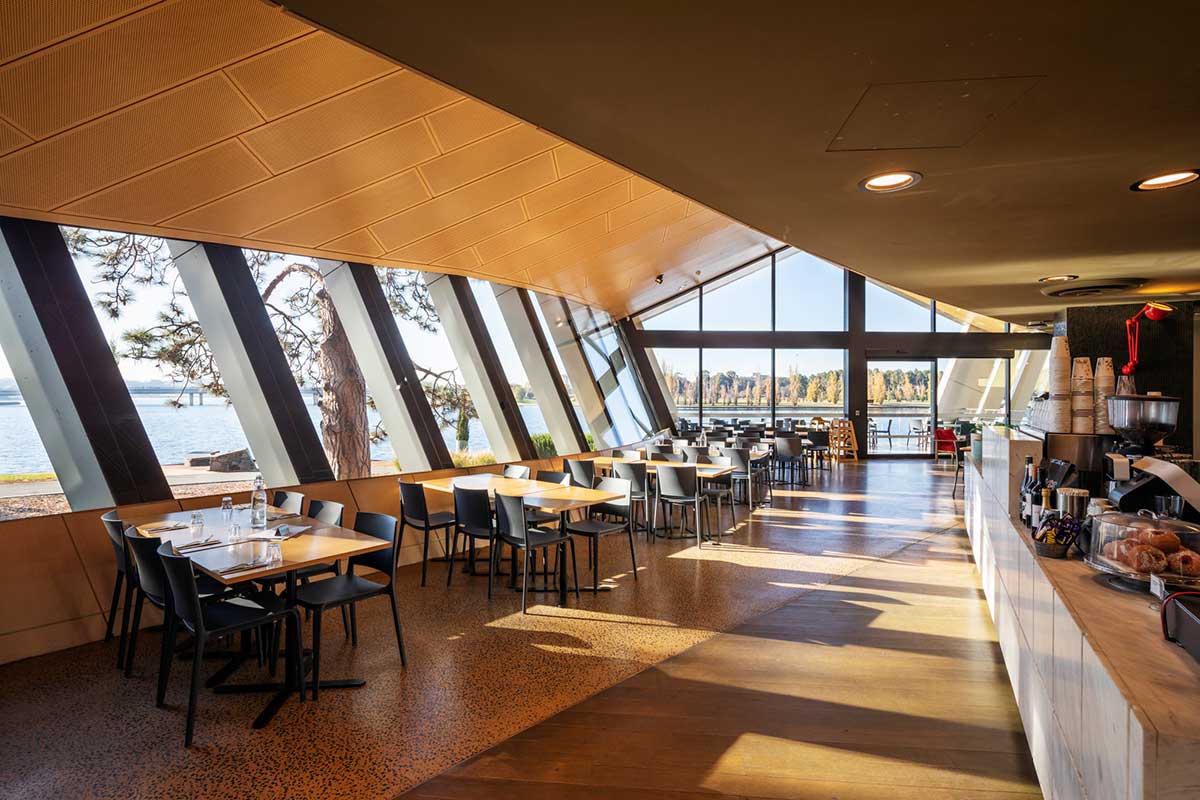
1155	311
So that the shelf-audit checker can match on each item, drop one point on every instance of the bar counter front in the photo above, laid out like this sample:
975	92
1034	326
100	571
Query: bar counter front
1110	708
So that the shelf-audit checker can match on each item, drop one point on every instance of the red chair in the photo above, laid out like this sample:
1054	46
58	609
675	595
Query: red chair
945	442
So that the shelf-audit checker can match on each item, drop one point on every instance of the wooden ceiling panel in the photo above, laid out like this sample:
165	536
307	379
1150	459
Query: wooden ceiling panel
316	182
549	247
581	184
176	187
303	72
11	138
466	233
359	243
115	147
349	212
571	159
347	118
553	222
228	120
484	157
27	26
456	206
147	53
467	121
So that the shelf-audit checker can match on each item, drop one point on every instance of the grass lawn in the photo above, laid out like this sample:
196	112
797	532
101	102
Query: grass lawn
27	477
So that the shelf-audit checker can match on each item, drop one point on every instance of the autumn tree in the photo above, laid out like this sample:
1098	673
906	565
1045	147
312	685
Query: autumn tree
310	333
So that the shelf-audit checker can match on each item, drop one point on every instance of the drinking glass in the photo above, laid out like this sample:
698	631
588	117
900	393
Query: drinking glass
226	510
1168	506
197	526
274	553
235	531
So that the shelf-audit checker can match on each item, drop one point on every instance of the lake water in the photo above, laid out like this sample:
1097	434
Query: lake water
176	433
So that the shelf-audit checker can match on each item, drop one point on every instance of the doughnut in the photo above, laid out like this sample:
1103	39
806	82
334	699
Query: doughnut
1184	562
1144	558
1167	541
1116	549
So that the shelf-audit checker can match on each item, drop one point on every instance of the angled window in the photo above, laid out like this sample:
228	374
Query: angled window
28	485
679	314
421	329
891	309
952	319
612	373
810	294
164	357
679	378
740	301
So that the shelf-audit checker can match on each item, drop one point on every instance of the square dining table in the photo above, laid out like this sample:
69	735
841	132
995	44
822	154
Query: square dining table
216	556
543	495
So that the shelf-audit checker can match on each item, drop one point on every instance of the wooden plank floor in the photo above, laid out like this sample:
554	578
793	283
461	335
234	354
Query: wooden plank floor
887	682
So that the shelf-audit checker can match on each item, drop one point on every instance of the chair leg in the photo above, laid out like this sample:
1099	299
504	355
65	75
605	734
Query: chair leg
594	557
297	649
453	550
112	607
574	566
133	632
525	580
125	622
165	656
353	624
396	624
425	557
316	651
197	658
273	655
337	570
632	551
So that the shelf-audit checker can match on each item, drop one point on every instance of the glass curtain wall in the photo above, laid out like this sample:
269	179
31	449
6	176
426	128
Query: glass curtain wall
146	316
808	384
612	373
899	398
27	481
737	386
679	379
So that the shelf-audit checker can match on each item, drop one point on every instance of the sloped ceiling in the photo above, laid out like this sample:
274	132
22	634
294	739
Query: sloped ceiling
231	121
1028	121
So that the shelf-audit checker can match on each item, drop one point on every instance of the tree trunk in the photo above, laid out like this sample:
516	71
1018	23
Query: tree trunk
344	428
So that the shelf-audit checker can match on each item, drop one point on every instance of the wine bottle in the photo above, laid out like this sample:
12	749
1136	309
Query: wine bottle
1026	485
1035	511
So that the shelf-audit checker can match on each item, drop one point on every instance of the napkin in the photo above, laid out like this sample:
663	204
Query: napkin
279	534
168	526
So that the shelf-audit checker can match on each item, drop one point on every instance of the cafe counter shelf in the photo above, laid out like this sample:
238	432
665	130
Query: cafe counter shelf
1110	709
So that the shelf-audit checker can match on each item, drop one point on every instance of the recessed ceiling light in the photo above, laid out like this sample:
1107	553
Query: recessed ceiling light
890	182
1168	181
1058	278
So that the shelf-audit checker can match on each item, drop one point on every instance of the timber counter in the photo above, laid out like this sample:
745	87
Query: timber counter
1111	709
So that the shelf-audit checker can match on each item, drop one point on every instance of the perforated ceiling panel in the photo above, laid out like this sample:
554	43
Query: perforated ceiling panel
231	121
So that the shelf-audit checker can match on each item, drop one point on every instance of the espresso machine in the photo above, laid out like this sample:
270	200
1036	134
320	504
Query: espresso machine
1138	470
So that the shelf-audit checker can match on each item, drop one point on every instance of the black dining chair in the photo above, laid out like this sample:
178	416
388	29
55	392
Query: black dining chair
516	533
350	589
692	453
414	513
535	516
791	458
720	489
594	526
116	537
639	491
818	451
752	472
518	471
651	449
213	620
678	487
473	521
289	502
583	473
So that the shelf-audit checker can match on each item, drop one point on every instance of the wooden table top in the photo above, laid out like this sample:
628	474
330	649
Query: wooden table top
702	470
543	495
320	544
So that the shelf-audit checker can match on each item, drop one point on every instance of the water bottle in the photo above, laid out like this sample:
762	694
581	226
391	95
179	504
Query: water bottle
258	505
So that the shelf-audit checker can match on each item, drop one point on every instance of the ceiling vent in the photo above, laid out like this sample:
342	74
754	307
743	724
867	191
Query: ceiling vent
1092	288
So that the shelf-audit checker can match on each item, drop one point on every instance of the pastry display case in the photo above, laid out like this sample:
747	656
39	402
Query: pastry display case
1136	546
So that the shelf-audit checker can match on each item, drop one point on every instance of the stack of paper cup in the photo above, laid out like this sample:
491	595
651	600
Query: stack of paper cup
1058	407
1083	397
1105	387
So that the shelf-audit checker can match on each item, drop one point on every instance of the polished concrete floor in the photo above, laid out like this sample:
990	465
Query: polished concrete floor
857	660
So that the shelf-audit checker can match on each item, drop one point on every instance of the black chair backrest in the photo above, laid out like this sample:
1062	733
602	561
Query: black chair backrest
326	511
819	438
674	458
516	471
472	508
510	517
116	536
185	598
702	458
550	476
143	551
616	486
381	526
789	447
739	458
677	483
745	442
651	449
291	502
634	473
412	502
583	473
693	453
720	461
